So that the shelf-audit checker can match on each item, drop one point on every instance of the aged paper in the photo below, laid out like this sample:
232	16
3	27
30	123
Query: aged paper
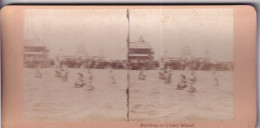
129	66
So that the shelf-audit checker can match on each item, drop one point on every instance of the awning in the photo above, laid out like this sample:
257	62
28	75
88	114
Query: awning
33	53
139	45
141	55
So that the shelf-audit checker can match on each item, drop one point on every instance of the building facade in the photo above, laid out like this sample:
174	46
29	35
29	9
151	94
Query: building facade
140	54
35	54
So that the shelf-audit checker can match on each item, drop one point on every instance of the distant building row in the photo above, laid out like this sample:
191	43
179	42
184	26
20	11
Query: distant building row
140	55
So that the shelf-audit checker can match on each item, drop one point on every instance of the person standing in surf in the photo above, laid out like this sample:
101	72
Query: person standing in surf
65	72
215	77
141	75
168	79
89	79
182	83
191	79
80	82
38	73
111	75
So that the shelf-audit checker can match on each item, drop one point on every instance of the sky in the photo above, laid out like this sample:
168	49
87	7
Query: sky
96	30
206	32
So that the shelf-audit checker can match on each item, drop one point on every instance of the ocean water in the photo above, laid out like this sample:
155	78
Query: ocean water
152	100
50	99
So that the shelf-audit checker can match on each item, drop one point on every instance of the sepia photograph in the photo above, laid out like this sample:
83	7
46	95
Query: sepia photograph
128	64
181	64
75	65
133	66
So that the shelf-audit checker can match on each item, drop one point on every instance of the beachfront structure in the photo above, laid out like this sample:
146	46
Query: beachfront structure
35	53
140	54
140	51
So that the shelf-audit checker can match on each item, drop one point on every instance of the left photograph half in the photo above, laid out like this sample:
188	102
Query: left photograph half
75	65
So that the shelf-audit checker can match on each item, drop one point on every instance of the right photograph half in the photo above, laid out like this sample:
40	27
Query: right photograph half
180	64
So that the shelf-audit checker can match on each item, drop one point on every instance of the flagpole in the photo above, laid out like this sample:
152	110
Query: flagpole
128	36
